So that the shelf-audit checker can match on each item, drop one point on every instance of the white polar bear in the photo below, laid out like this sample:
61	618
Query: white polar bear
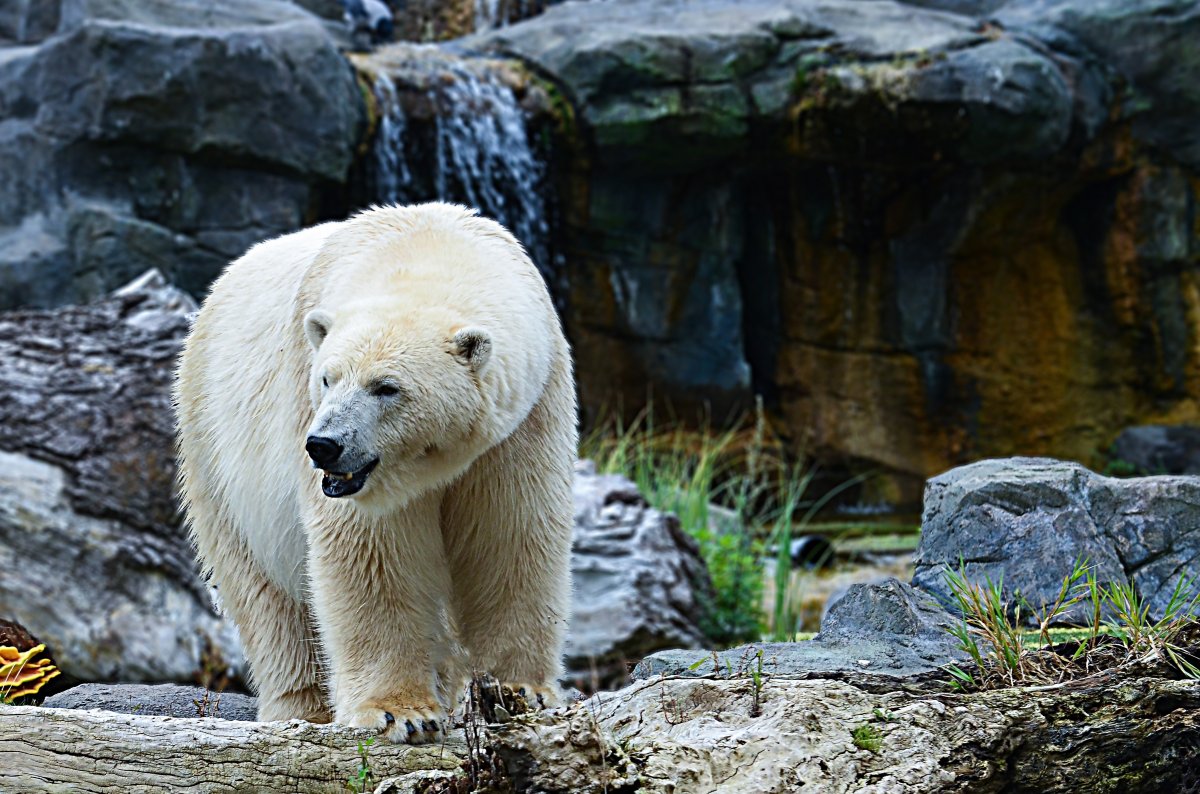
413	355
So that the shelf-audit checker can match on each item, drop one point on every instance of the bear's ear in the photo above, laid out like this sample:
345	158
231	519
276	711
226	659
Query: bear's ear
473	346
316	327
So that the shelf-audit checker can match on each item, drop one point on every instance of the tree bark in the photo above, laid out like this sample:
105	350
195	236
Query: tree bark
110	753
697	735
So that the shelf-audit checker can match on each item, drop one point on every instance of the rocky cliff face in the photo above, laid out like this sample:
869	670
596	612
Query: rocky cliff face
925	234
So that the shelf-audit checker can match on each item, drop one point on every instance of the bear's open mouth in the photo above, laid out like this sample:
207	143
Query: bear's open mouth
337	484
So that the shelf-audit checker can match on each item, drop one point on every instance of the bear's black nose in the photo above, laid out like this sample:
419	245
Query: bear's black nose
323	451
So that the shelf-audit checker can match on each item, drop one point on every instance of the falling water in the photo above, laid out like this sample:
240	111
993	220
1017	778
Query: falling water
491	14
451	129
488	15
391	169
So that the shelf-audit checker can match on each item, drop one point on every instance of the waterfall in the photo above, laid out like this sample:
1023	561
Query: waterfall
492	14
488	15
391	169
451	128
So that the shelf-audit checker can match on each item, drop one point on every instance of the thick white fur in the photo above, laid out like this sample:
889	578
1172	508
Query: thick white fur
456	552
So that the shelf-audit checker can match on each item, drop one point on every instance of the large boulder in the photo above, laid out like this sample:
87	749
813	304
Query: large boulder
1026	521
162	700
1157	449
168	134
640	584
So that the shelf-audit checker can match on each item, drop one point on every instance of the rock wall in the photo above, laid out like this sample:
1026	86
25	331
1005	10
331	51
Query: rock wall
924	234
94	561
168	135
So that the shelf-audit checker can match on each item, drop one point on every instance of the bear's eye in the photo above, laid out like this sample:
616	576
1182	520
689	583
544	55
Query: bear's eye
385	389
325	382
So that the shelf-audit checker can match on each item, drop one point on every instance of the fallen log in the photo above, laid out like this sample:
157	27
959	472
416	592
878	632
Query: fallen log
698	735
110	753
680	735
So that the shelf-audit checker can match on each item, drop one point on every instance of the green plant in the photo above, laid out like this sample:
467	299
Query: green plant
883	715
756	675
364	779
785	615
1069	594
985	617
1146	639
683	472
1120	468
745	471
807	67
1005	655
867	737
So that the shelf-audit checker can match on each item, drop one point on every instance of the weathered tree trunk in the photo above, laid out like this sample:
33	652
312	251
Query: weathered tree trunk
101	751
87	389
680	735
95	560
698	735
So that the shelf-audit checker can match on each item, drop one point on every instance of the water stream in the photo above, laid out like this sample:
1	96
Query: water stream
453	129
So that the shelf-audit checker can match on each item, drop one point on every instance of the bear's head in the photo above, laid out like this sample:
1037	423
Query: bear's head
397	401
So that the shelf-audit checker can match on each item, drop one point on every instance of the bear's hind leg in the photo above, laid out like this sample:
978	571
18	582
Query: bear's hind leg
276	630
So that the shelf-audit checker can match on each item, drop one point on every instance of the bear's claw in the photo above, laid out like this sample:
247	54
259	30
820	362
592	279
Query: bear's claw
400	725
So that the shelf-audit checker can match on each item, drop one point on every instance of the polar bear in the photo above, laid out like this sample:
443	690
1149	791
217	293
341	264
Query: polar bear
376	435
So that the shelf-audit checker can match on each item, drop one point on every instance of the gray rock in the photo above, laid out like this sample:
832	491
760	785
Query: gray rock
647	74
639	582
164	700
699	118
1027	520
217	124
891	609
227	14
887	629
973	8
1159	449
1150	44
28	21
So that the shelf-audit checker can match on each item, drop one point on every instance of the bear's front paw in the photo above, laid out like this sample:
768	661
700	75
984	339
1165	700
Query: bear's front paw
535	696
411	724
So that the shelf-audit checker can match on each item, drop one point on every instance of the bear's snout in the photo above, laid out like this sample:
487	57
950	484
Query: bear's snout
323	451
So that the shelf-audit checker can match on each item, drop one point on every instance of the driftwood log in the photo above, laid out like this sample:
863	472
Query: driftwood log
1102	734
87	389
102	751
697	735
95	561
